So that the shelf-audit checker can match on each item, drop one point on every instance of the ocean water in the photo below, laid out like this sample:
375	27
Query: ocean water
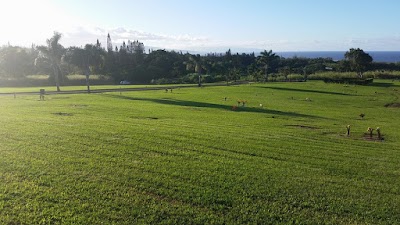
378	56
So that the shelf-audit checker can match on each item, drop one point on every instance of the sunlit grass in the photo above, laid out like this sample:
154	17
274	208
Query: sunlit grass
187	158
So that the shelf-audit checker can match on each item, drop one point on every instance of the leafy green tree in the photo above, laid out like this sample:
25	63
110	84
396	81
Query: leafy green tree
285	71
110	64
359	60
51	54
88	59
343	66
195	63
234	74
16	62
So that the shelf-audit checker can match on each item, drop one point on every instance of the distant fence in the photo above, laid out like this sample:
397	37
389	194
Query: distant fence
46	82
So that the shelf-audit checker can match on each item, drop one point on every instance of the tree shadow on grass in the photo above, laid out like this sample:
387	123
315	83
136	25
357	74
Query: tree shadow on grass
309	91
381	84
187	103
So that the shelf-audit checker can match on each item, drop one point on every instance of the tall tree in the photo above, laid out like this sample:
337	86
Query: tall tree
52	54
197	64
359	60
268	60
16	62
88	59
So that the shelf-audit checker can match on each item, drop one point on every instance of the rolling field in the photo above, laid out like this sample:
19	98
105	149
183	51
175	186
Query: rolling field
190	157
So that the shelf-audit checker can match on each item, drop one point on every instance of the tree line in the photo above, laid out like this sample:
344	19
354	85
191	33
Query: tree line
168	66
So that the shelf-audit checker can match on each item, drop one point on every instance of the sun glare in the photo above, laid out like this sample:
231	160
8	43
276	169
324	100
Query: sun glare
27	22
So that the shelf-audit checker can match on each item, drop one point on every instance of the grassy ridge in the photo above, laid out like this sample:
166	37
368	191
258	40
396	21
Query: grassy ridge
186	157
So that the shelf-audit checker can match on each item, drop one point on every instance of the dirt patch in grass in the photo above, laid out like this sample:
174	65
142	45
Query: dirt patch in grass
63	114
393	105
78	106
364	137
367	137
144	118
302	126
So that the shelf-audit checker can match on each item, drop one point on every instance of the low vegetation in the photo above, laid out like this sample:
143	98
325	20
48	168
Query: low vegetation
197	156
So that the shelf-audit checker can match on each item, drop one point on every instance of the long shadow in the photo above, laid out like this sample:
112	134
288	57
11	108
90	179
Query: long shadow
381	84
310	91
211	105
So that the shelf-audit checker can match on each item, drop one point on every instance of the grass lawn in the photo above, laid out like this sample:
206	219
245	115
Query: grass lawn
187	157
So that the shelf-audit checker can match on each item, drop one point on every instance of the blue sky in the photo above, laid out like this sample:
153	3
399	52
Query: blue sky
206	25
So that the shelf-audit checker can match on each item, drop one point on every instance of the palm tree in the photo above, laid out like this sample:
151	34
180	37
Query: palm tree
266	60
52	54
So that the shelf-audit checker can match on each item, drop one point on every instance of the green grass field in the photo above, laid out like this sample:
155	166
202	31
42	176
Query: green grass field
186	157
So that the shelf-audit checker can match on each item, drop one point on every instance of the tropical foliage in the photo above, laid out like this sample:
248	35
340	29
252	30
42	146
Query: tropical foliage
162	66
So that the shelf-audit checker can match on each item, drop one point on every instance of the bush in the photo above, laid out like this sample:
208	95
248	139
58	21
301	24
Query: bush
280	78
342	78
193	78
332	75
295	77
166	81
384	74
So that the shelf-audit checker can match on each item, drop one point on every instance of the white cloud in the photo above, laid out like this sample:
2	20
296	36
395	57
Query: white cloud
25	32
83	35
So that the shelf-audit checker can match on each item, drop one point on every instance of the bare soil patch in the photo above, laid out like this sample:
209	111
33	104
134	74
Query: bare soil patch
367	137
393	105
79	106
63	114
144	118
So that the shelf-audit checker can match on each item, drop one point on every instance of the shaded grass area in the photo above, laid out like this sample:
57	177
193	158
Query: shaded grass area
213	106
186	158
305	90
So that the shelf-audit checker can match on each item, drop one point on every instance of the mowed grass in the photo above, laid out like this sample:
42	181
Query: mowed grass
186	157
